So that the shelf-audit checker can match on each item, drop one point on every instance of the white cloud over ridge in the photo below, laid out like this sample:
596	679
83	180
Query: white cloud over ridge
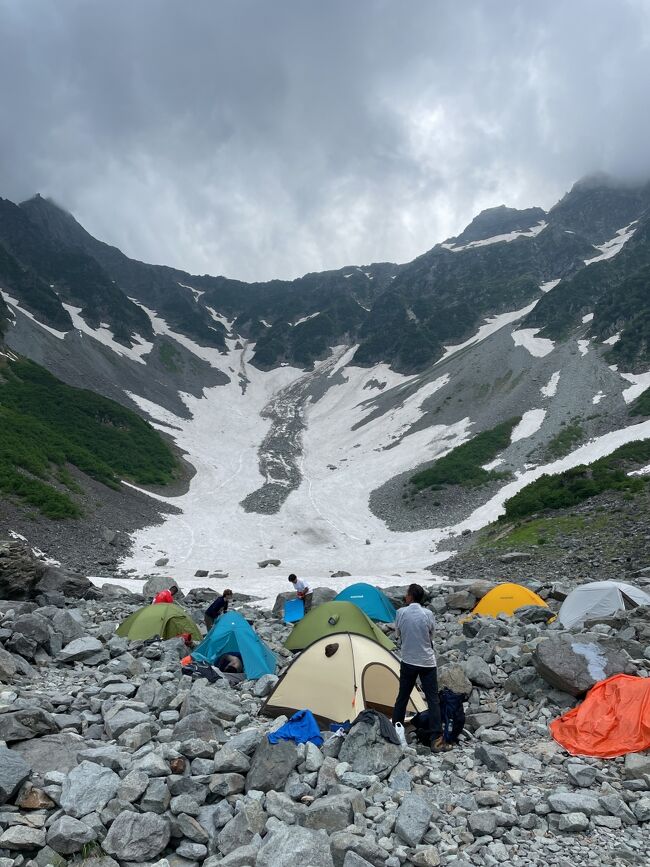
264	140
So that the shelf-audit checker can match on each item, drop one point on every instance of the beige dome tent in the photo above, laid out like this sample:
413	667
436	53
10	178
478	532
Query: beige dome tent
337	677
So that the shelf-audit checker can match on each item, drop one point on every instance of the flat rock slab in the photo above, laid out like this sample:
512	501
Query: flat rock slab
574	664
51	753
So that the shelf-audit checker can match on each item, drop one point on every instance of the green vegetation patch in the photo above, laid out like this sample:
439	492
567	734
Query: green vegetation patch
464	464
641	405
540	531
46	424
581	483
563	442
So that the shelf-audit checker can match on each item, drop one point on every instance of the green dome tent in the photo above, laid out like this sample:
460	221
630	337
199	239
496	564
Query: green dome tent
333	617
164	619
233	634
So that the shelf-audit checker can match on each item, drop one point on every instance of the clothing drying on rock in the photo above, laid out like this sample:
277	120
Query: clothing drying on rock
302	728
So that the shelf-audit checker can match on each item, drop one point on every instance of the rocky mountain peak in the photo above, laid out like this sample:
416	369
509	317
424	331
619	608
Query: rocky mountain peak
499	221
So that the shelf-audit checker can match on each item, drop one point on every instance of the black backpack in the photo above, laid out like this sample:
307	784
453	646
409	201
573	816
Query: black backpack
452	716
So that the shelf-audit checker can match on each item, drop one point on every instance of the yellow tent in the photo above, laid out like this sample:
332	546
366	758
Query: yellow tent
337	677
505	599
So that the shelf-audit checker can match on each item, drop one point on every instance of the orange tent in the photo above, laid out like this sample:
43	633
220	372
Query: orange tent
614	719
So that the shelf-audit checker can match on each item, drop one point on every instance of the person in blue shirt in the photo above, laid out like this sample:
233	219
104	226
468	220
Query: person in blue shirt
218	607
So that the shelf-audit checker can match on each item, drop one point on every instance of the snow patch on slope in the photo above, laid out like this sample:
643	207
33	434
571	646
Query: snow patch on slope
640	381
610	248
530	423
550	389
550	284
537	346
497	239
15	304
105	336
491	326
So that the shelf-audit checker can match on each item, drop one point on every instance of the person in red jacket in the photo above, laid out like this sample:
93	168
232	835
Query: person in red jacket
166	595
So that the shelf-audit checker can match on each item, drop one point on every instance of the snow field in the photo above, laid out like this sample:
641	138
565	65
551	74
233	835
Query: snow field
537	346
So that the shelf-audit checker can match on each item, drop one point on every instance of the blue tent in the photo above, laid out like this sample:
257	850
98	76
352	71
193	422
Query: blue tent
375	604
232	634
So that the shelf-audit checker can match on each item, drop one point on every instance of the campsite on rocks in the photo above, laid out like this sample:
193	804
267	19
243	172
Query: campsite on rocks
324	542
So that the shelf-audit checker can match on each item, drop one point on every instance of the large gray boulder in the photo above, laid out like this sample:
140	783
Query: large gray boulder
367	752
14	770
156	584
8	666
217	700
413	817
87	788
478	671
240	830
137	837
294	845
332	812
20	571
366	847
51	753
67	835
19	838
87	649
574	663
121	718
319	596
30	722
198	725
271	765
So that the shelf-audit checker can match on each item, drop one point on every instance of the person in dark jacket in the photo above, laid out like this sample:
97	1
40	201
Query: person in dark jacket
217	608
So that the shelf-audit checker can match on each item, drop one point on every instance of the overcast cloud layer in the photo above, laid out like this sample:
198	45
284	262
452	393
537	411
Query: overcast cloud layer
267	138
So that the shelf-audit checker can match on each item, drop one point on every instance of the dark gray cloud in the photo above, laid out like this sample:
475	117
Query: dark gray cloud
260	139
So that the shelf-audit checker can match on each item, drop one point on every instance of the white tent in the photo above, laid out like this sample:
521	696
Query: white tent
337	677
600	599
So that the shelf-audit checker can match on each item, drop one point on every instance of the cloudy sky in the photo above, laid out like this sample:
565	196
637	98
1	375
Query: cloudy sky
267	138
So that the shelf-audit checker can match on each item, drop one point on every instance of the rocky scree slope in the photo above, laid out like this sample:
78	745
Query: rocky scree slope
109	752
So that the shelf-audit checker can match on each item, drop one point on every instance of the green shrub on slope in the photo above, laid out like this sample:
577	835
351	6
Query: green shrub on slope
464	464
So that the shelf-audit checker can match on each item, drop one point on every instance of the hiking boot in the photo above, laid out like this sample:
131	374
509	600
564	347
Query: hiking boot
440	746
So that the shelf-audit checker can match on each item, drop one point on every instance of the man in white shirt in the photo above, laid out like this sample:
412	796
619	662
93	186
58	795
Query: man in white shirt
415	626
303	591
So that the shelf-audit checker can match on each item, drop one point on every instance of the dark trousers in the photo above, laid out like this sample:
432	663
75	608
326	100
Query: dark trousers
408	675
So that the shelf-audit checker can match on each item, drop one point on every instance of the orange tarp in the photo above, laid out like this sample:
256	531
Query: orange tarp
614	719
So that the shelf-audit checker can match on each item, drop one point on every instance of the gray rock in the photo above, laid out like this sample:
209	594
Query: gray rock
284	808
331	813
641	809
198	725
272	562
637	765
8	666
161	561
87	788
453	677
478	671
217	700
572	823
14	770
246	741
296	846
313	757
137	836
413	817
366	847
271	765
18	838
241	829
27	723
493	758
534	614
156	797
354	860
51	753
481	823
524	682
155	584
576	802
120	718
86	649
515	557
574	664
581	775
462	600
67	835
228	760
264	685
224	785
133	786
367	752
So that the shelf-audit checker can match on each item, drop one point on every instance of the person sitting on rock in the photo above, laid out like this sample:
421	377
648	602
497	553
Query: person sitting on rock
166	595
218	607
415	626
302	591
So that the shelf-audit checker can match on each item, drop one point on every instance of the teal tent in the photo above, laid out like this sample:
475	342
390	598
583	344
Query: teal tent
374	604
233	634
